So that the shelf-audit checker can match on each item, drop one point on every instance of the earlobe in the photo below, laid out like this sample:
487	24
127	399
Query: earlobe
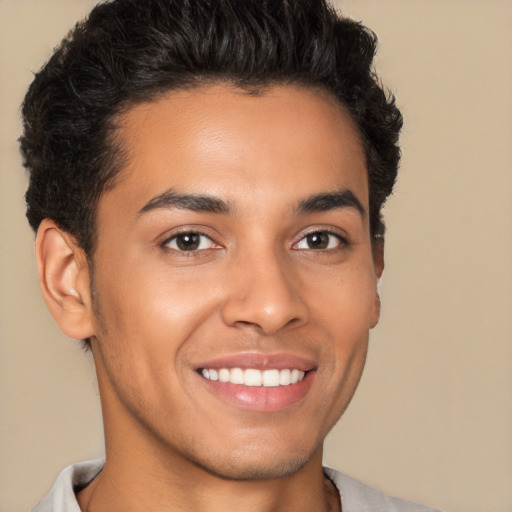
64	280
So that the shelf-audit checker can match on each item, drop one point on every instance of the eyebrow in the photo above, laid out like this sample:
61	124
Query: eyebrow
194	202
203	203
329	201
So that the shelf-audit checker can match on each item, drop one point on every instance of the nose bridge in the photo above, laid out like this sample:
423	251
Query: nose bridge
263	292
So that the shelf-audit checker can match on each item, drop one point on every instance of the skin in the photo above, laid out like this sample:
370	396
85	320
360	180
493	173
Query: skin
255	285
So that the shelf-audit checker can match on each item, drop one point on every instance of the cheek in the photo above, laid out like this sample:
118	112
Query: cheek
345	311
143	336
150	313
346	300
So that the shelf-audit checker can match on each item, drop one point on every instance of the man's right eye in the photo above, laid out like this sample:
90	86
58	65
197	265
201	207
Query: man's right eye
189	242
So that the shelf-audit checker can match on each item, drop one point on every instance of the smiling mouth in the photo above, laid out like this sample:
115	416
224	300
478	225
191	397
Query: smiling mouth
253	377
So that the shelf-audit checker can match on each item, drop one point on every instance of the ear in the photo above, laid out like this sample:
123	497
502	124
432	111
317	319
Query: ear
378	265
64	280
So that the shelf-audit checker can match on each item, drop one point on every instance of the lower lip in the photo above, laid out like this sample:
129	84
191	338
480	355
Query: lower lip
260	398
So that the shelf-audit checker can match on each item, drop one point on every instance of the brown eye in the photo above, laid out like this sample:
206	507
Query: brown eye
189	242
319	240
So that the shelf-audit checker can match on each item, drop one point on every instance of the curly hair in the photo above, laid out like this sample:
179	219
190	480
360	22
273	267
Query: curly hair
131	51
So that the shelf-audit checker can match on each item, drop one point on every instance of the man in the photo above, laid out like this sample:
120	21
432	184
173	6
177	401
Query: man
206	183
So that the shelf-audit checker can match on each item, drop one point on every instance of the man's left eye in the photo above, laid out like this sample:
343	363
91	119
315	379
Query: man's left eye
319	240
189	242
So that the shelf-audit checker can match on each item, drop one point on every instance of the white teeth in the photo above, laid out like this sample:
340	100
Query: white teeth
285	377
254	377
236	376
271	378
224	375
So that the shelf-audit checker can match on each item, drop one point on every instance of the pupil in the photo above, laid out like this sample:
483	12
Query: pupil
188	242
318	240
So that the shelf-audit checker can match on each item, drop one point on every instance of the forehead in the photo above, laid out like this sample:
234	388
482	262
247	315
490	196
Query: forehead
213	139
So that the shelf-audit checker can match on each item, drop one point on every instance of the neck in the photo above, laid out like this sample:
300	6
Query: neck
133	483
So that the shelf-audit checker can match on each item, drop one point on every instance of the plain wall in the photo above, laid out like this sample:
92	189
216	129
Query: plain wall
432	420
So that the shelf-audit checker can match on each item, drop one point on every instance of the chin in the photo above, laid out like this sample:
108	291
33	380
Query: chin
257	472
240	469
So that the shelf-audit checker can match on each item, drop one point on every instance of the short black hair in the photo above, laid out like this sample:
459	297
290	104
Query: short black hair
131	51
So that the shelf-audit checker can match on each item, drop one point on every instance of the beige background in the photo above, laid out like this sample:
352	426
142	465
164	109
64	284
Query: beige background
432	420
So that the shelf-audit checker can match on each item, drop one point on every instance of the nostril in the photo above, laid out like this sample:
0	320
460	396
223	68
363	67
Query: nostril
264	300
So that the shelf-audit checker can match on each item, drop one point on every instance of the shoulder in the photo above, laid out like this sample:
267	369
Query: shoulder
62	498
359	497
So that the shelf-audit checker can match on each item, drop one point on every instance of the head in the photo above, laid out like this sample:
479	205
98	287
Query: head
129	52
94	118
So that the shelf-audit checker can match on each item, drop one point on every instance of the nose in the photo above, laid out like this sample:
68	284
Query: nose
264	294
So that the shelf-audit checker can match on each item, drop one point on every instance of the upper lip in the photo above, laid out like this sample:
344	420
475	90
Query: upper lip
260	361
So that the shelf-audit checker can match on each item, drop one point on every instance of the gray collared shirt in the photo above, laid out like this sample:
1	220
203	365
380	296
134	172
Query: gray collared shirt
355	496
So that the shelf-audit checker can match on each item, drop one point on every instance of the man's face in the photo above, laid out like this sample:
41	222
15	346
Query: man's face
235	247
